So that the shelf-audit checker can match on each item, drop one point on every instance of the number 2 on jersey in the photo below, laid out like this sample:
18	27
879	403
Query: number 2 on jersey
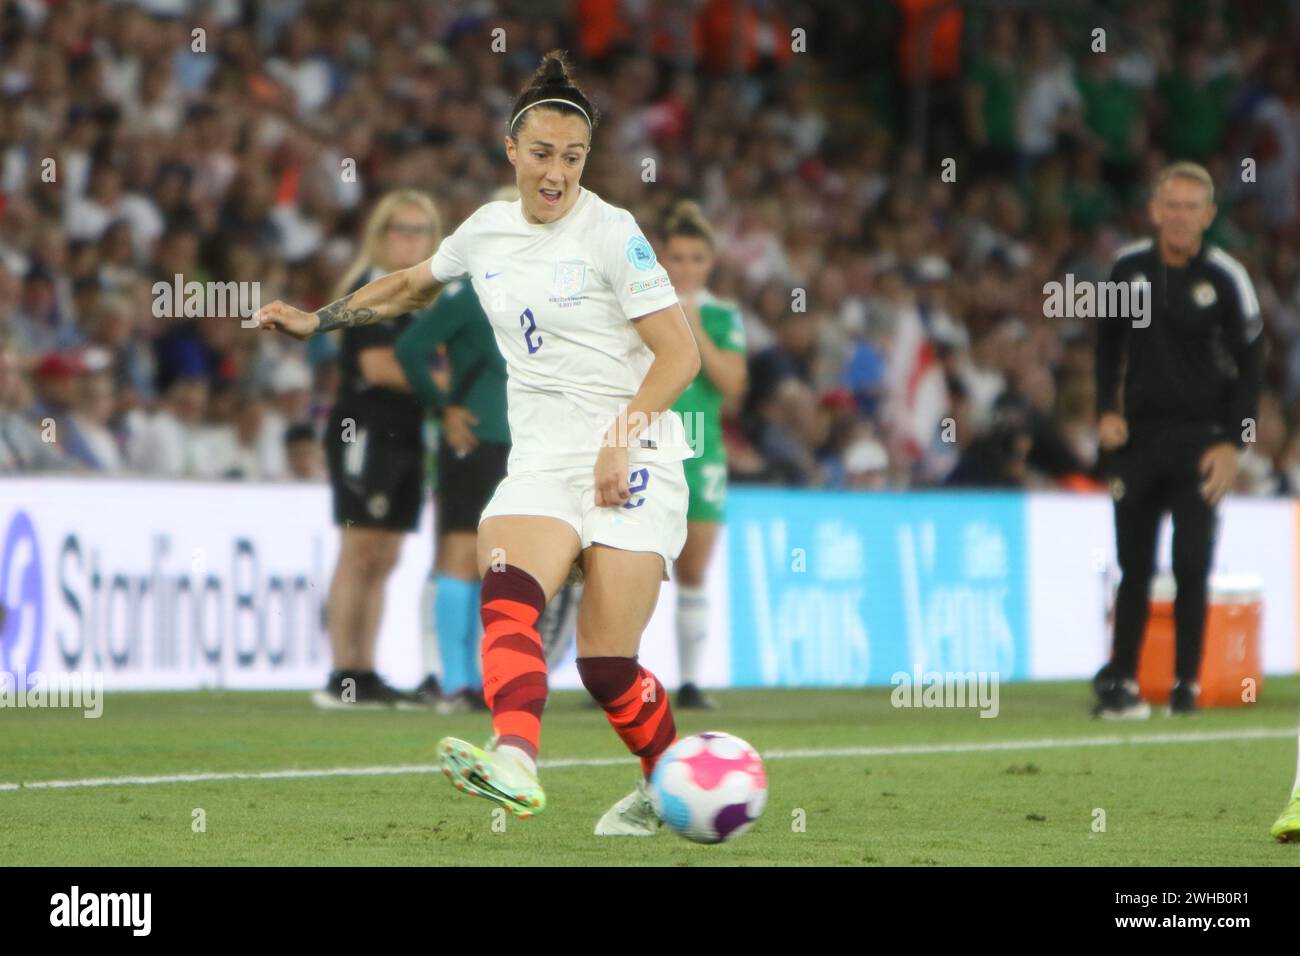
637	482
529	325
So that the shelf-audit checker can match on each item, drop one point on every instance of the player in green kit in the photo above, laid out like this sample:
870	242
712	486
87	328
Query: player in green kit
688	257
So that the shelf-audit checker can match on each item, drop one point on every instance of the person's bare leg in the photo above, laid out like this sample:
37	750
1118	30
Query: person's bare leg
344	606
618	599
458	555
692	564
382	549
544	547
619	596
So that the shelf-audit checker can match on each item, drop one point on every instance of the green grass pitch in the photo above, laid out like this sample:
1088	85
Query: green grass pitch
937	787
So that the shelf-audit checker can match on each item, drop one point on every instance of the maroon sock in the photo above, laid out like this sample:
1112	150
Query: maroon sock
635	704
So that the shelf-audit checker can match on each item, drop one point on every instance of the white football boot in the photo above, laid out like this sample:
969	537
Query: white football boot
634	815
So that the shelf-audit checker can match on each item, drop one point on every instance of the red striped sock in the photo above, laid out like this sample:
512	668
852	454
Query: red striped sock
635	704
514	666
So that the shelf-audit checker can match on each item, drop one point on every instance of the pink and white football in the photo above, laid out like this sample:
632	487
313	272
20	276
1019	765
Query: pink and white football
709	787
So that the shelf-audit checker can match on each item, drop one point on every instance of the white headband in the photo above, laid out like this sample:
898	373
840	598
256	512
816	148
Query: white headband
552	100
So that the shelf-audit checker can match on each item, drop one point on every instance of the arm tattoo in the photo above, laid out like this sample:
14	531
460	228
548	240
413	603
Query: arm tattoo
337	315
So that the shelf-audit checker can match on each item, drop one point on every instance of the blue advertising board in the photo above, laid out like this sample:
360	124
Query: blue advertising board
849	588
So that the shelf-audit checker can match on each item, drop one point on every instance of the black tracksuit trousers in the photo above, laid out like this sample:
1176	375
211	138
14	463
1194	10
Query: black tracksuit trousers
1158	472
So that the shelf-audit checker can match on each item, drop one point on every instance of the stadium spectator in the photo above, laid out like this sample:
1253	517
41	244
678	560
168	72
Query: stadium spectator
1194	94
304	454
999	457
21	446
55	378
39	324
992	100
99	449
66	414
110	327
1051	105
291	397
174	441
1112	113
866	465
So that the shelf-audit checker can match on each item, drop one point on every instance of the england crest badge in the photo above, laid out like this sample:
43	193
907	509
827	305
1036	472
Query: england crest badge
570	277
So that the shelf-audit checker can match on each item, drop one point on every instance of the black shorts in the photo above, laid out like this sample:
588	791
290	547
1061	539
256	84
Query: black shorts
466	485
376	469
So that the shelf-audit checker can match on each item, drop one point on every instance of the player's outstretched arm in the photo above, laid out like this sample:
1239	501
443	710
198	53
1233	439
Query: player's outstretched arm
388	296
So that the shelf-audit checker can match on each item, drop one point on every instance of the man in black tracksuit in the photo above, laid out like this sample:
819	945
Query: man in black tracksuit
1187	405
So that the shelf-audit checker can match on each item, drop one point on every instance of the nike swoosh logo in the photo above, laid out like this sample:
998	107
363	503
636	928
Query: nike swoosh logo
490	275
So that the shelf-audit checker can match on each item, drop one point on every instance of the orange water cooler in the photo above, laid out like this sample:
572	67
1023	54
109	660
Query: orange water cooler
1232	634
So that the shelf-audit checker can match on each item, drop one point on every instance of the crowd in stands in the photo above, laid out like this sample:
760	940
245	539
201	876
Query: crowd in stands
894	314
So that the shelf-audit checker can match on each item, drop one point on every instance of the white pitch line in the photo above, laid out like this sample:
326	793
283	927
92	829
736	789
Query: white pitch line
1050	743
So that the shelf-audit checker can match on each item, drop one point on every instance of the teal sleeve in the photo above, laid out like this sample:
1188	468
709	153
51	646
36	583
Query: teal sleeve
429	329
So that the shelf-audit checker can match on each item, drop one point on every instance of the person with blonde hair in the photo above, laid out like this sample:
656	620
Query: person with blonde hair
375	451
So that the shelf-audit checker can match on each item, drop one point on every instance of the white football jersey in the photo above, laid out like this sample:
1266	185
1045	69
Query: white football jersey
561	297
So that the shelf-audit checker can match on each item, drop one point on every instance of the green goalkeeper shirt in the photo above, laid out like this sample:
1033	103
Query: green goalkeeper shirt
700	405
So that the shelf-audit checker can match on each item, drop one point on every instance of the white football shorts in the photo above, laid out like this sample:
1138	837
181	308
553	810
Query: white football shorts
653	519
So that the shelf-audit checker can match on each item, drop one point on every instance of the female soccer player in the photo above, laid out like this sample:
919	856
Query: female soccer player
597	350
375	449
720	334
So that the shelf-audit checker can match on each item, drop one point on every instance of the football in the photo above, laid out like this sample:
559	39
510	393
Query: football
709	787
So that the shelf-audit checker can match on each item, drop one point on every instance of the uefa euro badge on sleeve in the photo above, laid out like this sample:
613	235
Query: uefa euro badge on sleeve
640	254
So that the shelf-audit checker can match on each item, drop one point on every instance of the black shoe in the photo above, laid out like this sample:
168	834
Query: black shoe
691	697
343	691
1103	684
1183	698
429	693
359	690
1103	689
372	687
1119	700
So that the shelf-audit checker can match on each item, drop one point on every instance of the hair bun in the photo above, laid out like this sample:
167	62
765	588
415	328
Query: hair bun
554	69
553	80
686	209
686	218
